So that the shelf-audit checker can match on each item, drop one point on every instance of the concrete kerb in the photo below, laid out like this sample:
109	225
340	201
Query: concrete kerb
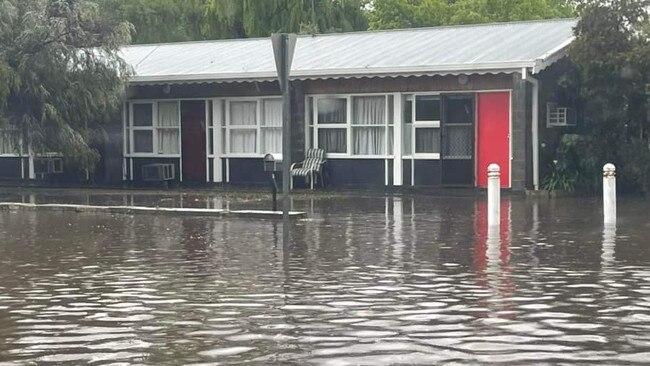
131	210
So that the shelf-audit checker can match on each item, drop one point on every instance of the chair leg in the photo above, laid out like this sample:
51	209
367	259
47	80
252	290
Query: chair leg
311	181
290	182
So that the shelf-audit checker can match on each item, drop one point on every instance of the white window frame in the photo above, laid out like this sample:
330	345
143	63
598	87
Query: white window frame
130	128
13	154
555	113
227	127
416	124
348	125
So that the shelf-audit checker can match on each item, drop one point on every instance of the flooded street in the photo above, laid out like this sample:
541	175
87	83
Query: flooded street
363	280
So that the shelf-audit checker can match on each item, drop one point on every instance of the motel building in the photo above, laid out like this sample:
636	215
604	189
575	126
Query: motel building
413	107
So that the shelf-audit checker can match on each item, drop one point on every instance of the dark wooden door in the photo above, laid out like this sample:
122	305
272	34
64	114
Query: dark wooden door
193	138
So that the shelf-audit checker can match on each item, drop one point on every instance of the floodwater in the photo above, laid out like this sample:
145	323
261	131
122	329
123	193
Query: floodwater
363	280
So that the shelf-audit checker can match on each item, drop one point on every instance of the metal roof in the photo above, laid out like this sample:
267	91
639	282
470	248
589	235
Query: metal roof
484	48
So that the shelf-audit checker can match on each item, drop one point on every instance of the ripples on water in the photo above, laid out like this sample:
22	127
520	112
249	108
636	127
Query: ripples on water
369	281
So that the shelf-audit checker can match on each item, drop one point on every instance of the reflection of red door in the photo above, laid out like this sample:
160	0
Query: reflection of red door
493	136
193	137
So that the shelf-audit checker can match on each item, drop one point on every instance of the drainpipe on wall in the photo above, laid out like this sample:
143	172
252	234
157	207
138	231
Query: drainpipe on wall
535	126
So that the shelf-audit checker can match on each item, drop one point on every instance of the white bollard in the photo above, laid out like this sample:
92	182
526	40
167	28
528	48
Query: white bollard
609	194
494	195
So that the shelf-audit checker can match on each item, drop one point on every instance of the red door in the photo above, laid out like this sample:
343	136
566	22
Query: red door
493	136
193	138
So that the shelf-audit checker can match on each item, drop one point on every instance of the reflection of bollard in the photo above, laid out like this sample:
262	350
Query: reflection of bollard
609	194
494	195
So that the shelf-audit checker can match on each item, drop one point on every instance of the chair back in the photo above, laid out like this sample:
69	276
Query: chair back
314	158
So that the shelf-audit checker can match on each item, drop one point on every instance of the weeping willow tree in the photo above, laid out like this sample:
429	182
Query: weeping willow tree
157	21
252	18
61	77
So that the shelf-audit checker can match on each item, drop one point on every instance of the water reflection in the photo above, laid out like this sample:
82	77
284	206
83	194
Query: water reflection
362	280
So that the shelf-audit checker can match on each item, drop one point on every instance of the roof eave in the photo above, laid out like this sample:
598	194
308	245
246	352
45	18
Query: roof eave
482	68
552	56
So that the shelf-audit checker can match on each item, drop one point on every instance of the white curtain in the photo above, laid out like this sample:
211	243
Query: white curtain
6	143
168	141
242	141
243	113
369	111
333	140
272	112
369	140
272	116
168	124
271	140
168	115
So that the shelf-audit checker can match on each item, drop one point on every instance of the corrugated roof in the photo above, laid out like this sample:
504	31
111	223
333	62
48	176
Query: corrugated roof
485	48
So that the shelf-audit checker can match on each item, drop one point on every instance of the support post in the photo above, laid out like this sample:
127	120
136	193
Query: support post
609	194
494	196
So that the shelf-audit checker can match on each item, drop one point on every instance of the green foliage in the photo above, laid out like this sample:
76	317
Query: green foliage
612	56
388	14
190	20
60	74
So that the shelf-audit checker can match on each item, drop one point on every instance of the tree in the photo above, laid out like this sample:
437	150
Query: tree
388	14
612	56
252	18
61	77
191	20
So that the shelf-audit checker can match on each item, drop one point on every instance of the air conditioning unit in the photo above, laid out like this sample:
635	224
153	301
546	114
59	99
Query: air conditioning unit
158	172
557	116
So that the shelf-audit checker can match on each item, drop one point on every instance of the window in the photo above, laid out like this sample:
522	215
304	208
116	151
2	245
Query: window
254	126
168	127
332	120
356	125
8	140
154	128
142	126
557	116
271	126
426	127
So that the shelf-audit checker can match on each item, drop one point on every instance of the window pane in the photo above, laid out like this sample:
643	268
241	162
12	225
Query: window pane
332	110
242	141
7	142
143	141
427	108
168	141
271	140
127	141
211	141
272	112
168	114
243	113
408	111
333	140
369	110
368	140
142	114
427	140
459	110
407	131
310	110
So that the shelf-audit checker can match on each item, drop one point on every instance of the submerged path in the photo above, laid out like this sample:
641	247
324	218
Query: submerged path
260	214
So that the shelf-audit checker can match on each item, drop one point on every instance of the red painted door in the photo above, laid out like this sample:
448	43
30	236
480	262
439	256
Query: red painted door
193	138
493	136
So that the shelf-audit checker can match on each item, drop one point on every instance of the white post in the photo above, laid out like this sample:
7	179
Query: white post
609	194
494	196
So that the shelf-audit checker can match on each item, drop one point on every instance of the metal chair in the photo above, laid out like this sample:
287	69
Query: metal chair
311	168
